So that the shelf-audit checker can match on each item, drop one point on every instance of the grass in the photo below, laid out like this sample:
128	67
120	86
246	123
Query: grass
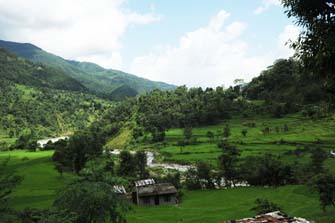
214	206
41	181
119	141
301	132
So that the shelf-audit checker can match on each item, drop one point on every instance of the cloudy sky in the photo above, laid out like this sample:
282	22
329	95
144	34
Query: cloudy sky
191	42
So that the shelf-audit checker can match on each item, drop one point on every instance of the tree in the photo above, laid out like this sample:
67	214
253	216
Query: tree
192	181
210	135
188	133
92	202
80	148
127	164
324	184
264	206
267	170
174	179
60	168
158	135
141	163
244	132
315	46
286	128
228	162
318	156
226	131
8	181
204	174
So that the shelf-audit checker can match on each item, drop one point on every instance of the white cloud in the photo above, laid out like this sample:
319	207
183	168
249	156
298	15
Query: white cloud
73	29
209	56
266	4
289	34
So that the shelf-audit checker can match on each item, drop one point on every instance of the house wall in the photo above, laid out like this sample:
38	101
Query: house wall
150	200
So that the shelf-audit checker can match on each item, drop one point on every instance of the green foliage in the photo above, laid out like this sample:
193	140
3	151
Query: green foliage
324	184
283	85
92	202
24	72
45	111
264	206
81	147
127	164
8	181
226	131
141	163
228	163
266	170
318	156
315	46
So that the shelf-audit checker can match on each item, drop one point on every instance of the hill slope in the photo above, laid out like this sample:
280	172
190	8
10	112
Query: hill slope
102	82
41	100
25	72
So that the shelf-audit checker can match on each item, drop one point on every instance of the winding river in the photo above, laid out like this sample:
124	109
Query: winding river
151	162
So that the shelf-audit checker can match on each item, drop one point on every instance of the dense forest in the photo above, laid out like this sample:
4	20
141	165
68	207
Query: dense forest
41	101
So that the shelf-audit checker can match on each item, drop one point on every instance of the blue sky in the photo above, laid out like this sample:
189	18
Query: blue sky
196	43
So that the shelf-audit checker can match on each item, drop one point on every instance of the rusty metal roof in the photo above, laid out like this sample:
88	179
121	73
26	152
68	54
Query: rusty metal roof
146	182
156	189
272	217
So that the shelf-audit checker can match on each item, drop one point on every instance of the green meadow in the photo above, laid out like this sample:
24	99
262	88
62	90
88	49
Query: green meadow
301	132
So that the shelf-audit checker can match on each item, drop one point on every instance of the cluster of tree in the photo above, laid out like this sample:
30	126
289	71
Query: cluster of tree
133	165
285	88
315	46
88	143
88	198
186	108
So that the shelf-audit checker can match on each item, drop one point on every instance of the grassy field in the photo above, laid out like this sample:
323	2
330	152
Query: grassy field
214	206
38	188
41	182
301	132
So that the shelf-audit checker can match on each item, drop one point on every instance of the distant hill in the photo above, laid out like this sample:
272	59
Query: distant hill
102	82
21	71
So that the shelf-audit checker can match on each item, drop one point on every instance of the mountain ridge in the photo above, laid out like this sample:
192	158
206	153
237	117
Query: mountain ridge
100	81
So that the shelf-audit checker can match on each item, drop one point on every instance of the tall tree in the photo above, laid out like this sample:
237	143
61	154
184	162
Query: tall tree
318	156
324	184
316	44
228	163
127	164
141	163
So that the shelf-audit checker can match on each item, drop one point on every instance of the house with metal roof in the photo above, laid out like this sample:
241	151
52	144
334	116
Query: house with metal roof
148	192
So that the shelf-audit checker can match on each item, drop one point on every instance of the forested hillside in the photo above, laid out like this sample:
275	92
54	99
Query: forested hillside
22	71
42	101
105	83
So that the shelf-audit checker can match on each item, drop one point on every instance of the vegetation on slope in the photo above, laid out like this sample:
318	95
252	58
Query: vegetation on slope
105	83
